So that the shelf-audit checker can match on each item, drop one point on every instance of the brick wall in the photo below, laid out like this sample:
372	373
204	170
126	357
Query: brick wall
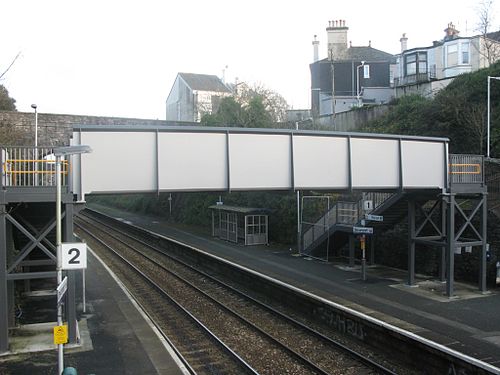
18	128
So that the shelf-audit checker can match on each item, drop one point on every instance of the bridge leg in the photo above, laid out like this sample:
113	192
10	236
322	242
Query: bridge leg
11	303
351	250
442	250
371	261
482	259
4	310
450	244
71	293
411	242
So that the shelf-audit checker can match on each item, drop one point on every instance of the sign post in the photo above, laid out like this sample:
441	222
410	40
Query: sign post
363	258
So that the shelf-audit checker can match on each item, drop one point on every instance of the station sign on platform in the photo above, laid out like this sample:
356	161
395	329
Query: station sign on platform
62	288
374	217
73	255
362	230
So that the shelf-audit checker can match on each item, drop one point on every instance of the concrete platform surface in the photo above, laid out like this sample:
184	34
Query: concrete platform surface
115	337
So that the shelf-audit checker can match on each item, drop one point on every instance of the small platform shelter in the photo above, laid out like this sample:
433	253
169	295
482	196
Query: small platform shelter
232	223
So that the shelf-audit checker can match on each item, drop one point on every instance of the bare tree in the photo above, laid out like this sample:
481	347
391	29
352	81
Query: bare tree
10	66
490	48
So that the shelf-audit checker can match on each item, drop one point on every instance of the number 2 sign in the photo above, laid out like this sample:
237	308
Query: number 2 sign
73	255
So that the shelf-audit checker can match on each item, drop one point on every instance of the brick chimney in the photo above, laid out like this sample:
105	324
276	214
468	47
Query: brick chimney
451	32
337	39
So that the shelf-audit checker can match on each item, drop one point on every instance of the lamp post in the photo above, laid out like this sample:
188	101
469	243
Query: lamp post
59	154
34	106
35	151
489	116
358	89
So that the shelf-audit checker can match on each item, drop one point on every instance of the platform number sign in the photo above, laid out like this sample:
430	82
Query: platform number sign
74	255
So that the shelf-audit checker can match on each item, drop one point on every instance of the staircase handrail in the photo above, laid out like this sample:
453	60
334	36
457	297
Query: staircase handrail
342	212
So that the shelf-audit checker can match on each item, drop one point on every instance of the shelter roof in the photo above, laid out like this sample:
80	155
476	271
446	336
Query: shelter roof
240	210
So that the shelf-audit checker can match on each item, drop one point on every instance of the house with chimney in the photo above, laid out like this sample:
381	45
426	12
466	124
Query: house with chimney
193	95
350	76
426	70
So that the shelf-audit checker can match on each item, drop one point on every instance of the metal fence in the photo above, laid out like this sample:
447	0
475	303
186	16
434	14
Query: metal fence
30	167
466	169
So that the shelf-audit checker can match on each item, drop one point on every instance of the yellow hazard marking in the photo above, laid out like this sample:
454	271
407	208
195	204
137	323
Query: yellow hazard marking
60	334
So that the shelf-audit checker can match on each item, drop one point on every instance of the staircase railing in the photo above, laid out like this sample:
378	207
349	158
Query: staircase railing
342	213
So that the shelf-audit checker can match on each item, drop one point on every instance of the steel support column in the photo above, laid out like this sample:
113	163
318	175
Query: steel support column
351	250
450	244
4	309
371	261
71	293
484	230
442	250
411	242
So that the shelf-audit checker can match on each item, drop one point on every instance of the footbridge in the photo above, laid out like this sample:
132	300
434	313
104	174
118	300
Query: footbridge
152	159
417	177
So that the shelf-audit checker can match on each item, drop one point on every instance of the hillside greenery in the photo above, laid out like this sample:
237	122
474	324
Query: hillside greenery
458	112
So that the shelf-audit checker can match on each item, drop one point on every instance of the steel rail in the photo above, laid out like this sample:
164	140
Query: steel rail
221	305
176	304
358	356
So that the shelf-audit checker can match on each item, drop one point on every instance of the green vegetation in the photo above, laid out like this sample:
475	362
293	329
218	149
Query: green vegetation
6	102
7	133
233	113
458	112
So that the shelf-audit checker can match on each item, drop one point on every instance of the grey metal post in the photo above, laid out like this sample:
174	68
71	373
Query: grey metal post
351	250
60	347
488	121
4	323
484	230
411	242
71	292
371	261
442	264
11	302
299	231
450	245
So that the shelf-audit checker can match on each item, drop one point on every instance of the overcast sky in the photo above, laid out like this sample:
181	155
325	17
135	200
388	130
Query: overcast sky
120	58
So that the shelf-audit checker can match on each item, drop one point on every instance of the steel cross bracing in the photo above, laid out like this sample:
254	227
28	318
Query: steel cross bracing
20	266
445	224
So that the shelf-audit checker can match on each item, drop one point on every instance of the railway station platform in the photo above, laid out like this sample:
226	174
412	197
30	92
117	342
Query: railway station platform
467	323
115	337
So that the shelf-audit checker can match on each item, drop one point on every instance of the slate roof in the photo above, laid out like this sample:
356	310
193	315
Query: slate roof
366	54
204	82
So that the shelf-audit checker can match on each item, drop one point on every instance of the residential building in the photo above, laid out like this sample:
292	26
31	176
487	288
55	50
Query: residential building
193	95
350	76
426	70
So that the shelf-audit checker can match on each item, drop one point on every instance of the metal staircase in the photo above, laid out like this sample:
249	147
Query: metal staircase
339	221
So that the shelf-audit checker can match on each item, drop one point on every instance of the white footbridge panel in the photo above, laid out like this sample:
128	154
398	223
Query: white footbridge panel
162	159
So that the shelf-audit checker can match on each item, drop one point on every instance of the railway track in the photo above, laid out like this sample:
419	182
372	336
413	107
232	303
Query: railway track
267	341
